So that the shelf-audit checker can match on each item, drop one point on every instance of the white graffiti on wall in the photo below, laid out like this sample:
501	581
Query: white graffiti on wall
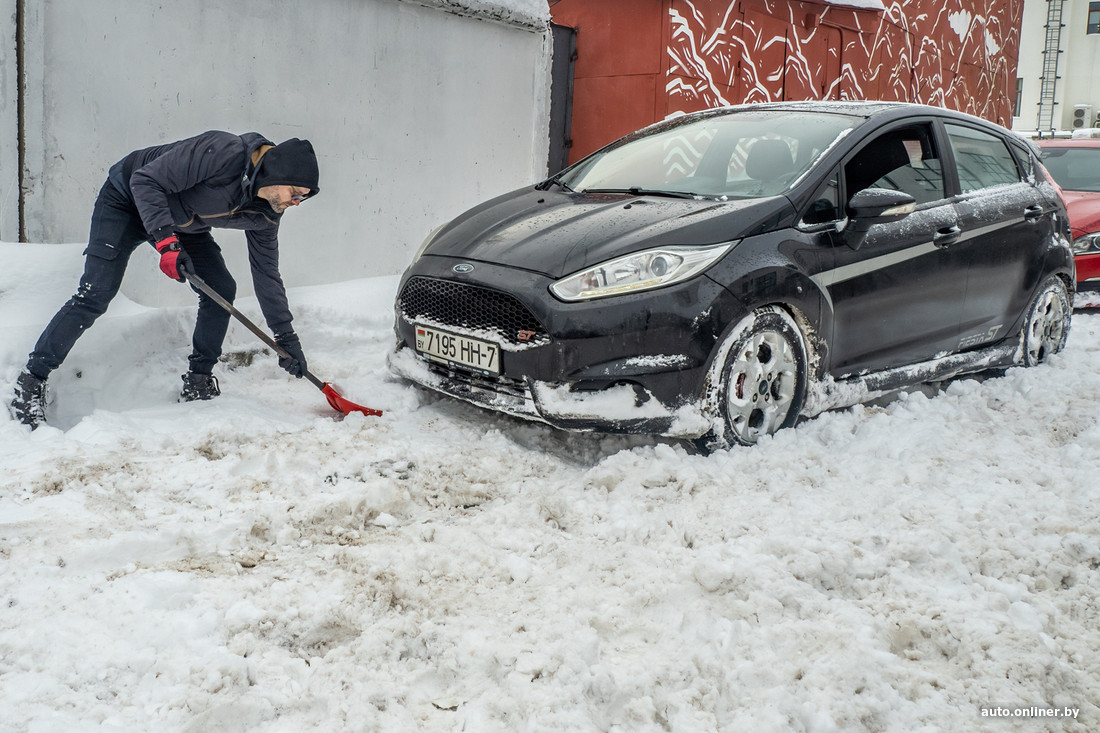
953	53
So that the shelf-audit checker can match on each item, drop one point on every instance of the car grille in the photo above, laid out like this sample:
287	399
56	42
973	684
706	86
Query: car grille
472	307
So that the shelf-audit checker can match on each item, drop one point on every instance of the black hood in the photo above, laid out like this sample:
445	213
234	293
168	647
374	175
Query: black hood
557	234
290	163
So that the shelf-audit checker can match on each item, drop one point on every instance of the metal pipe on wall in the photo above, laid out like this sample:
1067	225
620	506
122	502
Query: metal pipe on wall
21	114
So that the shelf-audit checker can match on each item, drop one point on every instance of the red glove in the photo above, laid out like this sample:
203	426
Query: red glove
174	262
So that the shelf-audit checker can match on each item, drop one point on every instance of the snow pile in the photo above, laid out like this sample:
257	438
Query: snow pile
253	564
530	14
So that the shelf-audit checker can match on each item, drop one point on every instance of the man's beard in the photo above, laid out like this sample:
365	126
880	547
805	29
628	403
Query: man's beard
273	202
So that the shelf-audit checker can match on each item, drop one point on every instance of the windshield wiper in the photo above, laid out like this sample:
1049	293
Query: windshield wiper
638	191
545	185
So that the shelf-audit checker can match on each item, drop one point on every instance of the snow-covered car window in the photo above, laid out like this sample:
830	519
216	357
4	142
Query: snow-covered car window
1075	169
983	160
751	154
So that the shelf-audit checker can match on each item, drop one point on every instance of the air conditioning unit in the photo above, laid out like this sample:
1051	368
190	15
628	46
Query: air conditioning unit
1082	116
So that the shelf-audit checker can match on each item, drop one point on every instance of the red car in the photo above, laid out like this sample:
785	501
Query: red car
1075	166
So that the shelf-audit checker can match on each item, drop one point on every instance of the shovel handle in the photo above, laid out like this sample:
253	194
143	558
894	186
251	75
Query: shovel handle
199	283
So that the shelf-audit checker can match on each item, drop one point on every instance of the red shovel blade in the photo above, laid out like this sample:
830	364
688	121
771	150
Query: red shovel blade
344	405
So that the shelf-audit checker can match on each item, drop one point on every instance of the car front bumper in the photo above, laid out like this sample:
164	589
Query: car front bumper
617	409
1088	269
633	363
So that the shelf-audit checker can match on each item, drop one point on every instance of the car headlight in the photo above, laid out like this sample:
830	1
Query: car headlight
1087	245
653	268
426	242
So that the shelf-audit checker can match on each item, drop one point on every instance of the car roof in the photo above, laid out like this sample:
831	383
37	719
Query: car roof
857	108
873	112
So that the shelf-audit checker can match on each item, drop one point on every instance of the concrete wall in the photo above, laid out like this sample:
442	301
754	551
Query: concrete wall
1079	82
416	114
1030	65
1081	60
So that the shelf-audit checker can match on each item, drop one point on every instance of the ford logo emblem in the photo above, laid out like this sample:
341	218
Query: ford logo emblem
463	267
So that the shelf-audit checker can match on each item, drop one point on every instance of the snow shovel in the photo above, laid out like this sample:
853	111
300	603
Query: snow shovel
334	398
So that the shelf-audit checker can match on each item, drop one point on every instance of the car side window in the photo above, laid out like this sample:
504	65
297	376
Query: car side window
904	159
983	160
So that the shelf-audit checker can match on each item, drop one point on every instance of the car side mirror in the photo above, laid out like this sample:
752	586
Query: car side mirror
881	205
875	206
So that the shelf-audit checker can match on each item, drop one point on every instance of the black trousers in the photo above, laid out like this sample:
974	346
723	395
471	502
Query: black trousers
116	232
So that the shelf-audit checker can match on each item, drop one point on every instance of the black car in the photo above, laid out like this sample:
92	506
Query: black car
718	275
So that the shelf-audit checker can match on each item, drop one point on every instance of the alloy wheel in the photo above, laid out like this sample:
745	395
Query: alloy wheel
1048	325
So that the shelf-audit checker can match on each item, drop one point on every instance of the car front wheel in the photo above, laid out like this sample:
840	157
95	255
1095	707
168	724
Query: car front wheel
761	385
1047	325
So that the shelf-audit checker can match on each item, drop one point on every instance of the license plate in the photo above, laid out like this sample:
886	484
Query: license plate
450	348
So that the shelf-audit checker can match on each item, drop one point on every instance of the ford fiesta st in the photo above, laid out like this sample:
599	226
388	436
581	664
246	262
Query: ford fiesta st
719	275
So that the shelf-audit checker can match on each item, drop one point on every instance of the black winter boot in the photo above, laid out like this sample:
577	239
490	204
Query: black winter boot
28	406
199	387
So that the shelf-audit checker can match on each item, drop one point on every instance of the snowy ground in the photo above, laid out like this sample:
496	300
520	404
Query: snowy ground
253	564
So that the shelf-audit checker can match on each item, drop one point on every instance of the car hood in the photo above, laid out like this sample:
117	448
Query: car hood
1084	211
558	233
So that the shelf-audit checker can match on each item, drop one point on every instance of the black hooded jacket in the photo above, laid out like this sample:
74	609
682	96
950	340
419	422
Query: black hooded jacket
205	182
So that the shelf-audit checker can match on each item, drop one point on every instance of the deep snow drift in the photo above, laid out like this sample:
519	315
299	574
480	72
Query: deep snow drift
253	564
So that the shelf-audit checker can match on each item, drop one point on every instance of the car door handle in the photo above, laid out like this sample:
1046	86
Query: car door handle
947	236
1033	213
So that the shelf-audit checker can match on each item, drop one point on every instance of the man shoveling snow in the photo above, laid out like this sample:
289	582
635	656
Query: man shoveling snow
172	195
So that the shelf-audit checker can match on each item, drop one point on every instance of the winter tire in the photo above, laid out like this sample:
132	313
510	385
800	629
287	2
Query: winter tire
1047	324
761	385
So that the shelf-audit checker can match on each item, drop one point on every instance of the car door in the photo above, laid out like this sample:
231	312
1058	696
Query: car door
1006	223
897	289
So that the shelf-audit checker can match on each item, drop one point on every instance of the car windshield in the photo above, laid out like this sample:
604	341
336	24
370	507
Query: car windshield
740	155
1075	169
